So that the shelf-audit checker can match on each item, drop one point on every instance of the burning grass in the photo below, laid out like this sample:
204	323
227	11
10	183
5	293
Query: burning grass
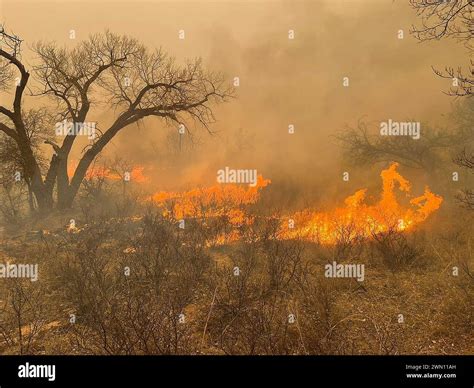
359	219
243	287
356	218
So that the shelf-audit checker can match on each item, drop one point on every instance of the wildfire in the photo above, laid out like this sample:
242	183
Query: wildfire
355	219
218	200
135	175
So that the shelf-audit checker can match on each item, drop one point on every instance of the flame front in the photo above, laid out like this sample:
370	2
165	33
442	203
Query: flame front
218	200
355	219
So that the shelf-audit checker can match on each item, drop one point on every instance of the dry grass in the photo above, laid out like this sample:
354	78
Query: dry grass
183	296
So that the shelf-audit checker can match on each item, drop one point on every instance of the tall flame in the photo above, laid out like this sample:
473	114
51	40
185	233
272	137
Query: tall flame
354	219
357	219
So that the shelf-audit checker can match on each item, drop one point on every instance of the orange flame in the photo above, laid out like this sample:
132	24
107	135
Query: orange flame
218	200
136	174
355	219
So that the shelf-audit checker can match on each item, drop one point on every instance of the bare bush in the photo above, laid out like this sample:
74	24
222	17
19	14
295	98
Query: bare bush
22	315
144	311
396	249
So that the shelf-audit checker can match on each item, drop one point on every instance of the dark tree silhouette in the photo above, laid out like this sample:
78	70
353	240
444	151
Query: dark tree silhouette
465	159
106	68
463	84
448	19
453	18
442	18
364	146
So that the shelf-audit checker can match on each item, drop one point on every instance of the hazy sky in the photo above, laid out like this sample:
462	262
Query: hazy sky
282	81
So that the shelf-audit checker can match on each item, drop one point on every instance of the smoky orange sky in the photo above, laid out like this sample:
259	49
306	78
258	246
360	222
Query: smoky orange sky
282	81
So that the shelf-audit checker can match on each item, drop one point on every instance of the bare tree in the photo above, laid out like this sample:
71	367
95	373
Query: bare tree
441	18
448	19
363	146
106	68
454	18
465	159
37	125
462	83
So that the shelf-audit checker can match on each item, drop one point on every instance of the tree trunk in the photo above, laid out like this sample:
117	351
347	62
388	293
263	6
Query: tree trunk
33	174
66	198
68	193
31	199
43	198
62	179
